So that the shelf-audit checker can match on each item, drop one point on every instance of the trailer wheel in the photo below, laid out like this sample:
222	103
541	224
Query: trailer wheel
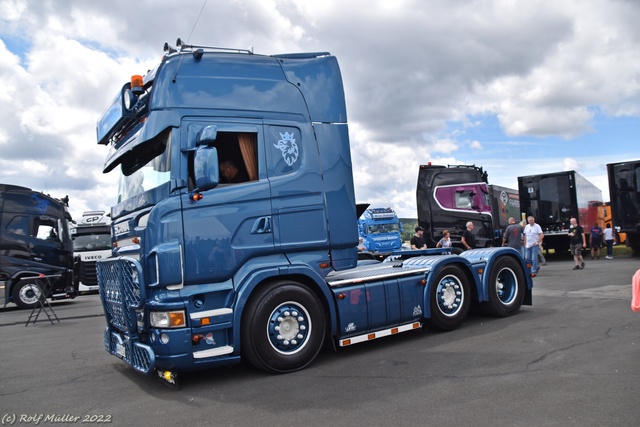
506	288
450	299
26	293
283	327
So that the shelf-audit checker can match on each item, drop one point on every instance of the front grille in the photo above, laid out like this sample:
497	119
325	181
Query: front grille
119	283
121	286
88	275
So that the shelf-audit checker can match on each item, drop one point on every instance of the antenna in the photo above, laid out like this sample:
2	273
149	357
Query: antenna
179	42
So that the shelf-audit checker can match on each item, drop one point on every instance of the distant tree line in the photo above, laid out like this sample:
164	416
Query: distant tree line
408	227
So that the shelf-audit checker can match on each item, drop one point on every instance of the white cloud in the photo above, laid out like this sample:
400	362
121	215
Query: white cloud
571	165
475	145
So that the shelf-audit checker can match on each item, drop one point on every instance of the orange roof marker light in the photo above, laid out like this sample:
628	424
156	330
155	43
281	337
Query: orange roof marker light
137	85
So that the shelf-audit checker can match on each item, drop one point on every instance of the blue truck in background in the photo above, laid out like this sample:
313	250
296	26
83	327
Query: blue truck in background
380	229
235	233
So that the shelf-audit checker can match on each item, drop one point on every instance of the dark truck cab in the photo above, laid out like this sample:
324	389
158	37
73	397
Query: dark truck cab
450	196
34	240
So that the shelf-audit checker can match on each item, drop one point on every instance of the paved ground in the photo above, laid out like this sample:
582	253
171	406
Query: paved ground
571	359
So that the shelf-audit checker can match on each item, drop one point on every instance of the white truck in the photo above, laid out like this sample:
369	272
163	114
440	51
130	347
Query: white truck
91	242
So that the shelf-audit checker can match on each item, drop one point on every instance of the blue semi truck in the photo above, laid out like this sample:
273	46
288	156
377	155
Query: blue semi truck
235	230
380	229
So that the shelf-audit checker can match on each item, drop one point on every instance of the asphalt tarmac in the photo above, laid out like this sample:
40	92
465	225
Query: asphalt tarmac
570	359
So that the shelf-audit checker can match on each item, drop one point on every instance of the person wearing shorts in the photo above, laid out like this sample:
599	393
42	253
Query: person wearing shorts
578	241
596	240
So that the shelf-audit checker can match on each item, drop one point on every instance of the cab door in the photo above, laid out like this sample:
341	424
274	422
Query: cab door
232	222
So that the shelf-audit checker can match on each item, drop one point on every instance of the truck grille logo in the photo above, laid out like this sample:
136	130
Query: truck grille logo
288	147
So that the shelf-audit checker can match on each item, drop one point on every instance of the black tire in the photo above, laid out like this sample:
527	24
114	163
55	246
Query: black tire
283	327
26	293
450	298
506	288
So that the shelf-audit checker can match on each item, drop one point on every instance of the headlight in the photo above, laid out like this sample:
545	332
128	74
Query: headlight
167	319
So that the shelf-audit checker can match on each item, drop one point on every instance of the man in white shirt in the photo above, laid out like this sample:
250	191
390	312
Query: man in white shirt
609	239
533	236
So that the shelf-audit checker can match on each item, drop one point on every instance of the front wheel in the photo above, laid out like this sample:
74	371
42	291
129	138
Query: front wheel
506	288
450	298
283	327
26	293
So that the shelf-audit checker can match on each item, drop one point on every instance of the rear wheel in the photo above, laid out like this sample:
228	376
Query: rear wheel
450	299
506	288
283	327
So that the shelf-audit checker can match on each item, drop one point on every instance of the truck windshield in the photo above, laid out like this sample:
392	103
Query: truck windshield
155	172
383	228
92	242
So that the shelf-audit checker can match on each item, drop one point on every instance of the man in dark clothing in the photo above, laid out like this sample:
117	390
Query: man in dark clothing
417	241
513	235
578	241
468	238
596	240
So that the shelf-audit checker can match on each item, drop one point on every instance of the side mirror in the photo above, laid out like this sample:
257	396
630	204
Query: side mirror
206	168
207	135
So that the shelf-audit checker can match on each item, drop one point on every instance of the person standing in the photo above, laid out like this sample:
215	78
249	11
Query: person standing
608	240
468	238
417	241
578	241
533	236
596	240
513	236
445	242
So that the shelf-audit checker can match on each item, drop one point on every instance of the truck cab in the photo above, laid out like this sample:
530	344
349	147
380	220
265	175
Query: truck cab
380	229
450	196
91	242
35	240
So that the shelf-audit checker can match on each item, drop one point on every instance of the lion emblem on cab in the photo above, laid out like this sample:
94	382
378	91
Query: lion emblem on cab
288	147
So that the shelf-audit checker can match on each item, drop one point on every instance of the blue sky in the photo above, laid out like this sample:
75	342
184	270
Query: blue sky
517	87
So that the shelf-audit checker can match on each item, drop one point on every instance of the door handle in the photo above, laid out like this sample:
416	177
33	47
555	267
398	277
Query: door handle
262	225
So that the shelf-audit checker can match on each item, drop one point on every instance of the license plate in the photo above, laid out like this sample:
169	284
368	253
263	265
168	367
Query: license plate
121	350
